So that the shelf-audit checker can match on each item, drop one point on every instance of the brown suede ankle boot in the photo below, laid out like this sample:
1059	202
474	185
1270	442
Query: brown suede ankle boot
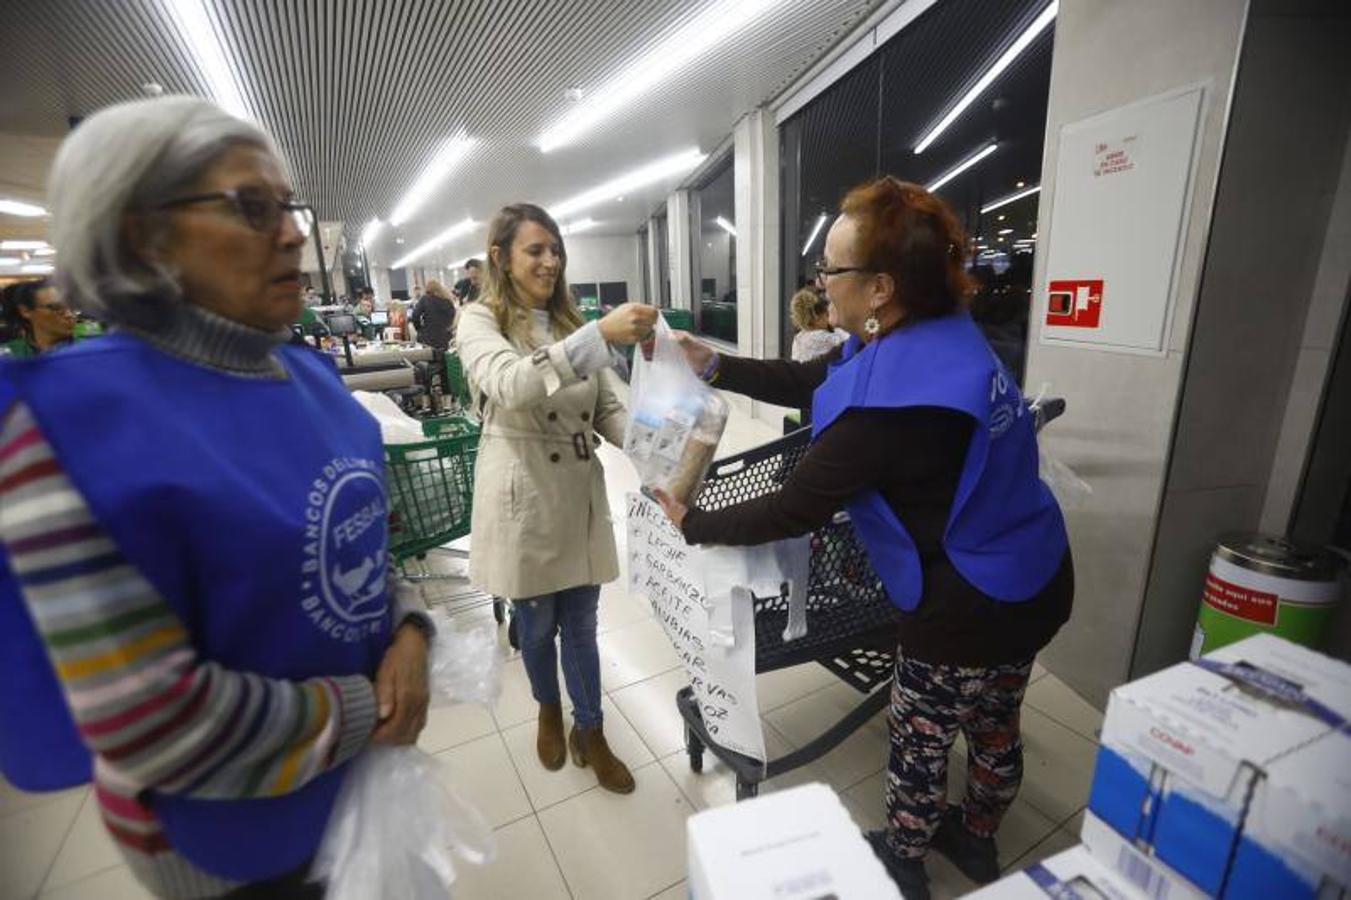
549	742
588	747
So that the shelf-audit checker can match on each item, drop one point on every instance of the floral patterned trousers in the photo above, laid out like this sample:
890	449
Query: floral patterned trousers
930	704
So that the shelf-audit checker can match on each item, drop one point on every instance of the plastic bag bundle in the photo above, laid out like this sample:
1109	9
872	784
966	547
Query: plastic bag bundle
675	420
465	665
396	827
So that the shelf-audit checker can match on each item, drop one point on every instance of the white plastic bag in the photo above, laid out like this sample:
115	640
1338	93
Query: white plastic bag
396	426
396	826
675	420
465	665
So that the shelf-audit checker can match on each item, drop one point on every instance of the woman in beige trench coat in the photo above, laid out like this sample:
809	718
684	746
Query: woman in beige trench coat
541	523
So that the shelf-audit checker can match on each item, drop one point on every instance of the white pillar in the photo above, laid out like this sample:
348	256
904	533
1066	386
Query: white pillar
756	194
678	249
654	273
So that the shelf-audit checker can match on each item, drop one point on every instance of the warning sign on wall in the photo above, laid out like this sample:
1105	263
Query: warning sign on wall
1075	303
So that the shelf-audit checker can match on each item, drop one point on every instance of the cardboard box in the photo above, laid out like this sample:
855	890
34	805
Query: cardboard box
1296	840
1071	874
1184	749
799	843
1144	874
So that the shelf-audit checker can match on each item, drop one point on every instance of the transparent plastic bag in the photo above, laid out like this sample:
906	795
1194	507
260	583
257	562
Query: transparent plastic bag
675	420
1070	491
465	665
396	827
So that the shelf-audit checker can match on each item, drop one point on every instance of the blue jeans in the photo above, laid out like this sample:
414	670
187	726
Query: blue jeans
573	614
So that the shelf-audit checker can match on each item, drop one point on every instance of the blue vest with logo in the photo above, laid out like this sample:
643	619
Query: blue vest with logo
257	509
1005	533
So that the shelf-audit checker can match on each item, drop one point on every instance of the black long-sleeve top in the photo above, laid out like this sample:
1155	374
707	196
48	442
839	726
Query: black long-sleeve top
914	457
433	317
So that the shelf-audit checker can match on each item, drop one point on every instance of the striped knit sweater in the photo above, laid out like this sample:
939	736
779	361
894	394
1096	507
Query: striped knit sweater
154	713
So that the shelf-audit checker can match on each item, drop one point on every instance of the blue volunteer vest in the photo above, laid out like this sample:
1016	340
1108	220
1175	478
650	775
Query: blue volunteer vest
1005	533
257	509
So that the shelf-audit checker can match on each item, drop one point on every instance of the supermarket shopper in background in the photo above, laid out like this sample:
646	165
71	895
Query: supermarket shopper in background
37	318
815	336
541	521
168	547
924	438
467	289
434	316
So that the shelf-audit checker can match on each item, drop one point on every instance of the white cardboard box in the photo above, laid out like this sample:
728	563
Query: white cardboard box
1182	750
1073	873
1296	840
789	845
1144	874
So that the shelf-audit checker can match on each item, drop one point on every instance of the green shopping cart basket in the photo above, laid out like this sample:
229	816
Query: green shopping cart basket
457	385
431	487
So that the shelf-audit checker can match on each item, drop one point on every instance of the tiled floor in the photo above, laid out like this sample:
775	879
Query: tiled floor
558	836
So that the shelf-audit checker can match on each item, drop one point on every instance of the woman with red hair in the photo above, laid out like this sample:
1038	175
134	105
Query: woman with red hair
923	436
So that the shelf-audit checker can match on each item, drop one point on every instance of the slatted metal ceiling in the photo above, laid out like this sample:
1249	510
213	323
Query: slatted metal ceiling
360	93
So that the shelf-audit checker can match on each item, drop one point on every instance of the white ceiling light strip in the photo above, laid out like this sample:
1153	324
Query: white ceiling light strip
23	245
1011	198
194	25
451	154
370	231
1005	60
962	166
19	208
459	229
816	229
725	225
700	34
36	269
576	227
666	167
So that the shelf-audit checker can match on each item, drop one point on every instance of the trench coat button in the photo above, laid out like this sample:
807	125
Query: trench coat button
554	457
553	416
586	417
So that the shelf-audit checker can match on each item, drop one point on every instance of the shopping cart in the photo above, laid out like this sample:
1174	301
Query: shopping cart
852	626
431	492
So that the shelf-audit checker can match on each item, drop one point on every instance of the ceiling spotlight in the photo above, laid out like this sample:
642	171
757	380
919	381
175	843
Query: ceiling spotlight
573	94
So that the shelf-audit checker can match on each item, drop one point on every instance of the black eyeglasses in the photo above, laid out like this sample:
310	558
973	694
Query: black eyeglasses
257	206
823	271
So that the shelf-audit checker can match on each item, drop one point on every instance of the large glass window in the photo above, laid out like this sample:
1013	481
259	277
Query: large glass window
870	122
713	260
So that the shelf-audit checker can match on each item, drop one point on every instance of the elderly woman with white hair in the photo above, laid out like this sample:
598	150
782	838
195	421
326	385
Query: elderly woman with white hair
193	514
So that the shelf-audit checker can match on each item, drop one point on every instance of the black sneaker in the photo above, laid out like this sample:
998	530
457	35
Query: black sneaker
908	874
975	856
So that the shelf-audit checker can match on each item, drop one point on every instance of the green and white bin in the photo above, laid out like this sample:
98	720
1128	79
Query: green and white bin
1259	583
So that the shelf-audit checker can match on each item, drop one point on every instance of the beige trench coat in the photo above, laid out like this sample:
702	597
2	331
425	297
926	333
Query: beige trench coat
541	520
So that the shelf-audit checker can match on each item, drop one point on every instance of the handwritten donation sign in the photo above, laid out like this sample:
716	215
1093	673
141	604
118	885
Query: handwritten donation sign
703	598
